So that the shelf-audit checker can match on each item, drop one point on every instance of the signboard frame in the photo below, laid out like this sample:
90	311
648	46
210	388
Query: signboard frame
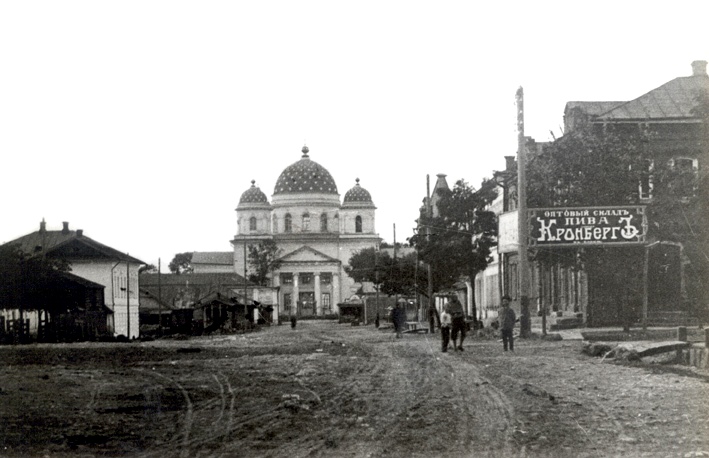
589	224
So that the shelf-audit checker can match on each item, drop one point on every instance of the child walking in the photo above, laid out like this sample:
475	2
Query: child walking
446	321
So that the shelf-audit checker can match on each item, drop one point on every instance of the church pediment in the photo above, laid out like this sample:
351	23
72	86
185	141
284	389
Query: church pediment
307	254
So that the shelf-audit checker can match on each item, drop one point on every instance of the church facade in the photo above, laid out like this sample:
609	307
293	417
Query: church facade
315	233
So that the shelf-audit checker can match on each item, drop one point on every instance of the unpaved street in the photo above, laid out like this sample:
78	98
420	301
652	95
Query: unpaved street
330	390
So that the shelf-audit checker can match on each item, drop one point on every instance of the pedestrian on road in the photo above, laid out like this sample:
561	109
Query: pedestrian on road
446	322
293	317
507	324
457	322
398	317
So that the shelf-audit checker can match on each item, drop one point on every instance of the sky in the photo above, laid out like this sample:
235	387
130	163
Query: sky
143	122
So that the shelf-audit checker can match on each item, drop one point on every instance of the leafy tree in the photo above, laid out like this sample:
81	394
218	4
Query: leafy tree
29	282
458	243
148	269
391	276
264	258
181	263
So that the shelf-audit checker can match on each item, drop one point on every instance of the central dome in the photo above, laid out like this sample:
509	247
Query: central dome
305	176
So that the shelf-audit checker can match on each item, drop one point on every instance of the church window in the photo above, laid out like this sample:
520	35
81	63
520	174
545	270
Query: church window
288	223
287	279
325	278
306	222
323	222
252	223
326	303
275	224
305	279
358	224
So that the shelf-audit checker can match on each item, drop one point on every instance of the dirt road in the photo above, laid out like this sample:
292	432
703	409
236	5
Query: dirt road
330	390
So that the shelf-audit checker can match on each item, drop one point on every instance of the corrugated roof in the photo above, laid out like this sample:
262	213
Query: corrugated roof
213	257
673	100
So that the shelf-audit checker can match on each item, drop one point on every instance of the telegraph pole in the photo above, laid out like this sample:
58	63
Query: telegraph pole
128	295
159	301
522	229
429	273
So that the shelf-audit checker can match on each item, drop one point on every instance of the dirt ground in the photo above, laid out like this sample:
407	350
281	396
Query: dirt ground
331	390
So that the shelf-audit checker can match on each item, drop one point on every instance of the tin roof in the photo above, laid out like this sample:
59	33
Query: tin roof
673	100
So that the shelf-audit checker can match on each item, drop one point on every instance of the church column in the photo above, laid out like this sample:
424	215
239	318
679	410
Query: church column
318	298
335	292
274	301
296	294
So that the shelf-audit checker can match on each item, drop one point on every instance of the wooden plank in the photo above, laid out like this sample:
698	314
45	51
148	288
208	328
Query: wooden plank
653	348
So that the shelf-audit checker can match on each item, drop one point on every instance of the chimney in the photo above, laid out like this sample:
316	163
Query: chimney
79	232
65	227
699	68
42	227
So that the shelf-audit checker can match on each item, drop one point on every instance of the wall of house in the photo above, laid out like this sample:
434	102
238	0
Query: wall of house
114	276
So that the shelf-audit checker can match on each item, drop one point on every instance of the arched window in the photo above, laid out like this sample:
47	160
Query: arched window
323	222
288	223
306	222
358	224
274	224
252	223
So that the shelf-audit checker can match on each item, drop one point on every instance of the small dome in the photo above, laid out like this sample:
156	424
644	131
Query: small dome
357	194
357	197
253	195
305	176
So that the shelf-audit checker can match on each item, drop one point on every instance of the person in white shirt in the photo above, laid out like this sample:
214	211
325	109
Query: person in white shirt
446	321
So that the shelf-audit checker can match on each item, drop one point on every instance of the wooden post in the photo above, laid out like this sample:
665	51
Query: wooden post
523	231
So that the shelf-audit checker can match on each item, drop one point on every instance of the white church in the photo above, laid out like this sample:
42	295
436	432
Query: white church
315	232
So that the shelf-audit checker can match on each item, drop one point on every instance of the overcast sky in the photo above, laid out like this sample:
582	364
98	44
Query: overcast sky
143	122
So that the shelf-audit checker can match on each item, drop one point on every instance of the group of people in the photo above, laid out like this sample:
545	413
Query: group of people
453	326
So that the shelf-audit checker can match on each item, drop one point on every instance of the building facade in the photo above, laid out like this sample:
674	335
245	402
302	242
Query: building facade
315	233
660	280
100	265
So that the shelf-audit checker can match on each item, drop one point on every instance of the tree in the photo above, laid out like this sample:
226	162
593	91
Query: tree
264	258
28	282
148	269
458	242
181	263
389	275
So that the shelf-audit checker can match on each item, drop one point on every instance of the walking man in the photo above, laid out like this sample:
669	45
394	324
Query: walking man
458	322
507	324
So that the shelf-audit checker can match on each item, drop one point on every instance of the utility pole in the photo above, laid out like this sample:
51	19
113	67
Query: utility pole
128	296
159	301
431	305
246	305
522	229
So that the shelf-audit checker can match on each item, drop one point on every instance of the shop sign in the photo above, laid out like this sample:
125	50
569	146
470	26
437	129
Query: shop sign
562	227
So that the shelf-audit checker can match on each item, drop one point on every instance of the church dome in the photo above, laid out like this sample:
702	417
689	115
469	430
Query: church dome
305	176
357	197
253	195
